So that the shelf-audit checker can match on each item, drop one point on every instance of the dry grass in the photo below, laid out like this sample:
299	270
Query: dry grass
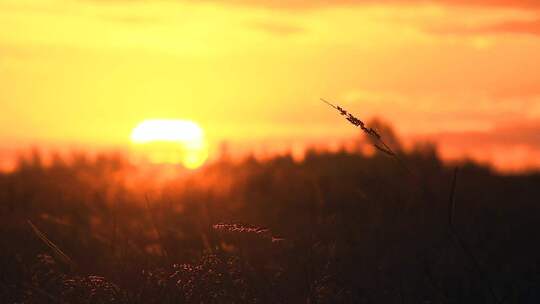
377	139
358	239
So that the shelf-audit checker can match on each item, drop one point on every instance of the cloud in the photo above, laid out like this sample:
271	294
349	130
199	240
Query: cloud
516	133
522	91
279	29
310	4
530	27
313	4
12	51
523	27
509	147
133	20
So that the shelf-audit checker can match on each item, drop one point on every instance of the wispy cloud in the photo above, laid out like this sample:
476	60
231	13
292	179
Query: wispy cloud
311	4
530	27
514	145
510	134
275	28
133	20
13	52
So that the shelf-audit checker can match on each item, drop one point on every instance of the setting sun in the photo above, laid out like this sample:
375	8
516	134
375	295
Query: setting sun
171	141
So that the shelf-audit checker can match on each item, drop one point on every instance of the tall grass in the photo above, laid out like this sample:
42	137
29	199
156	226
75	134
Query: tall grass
338	227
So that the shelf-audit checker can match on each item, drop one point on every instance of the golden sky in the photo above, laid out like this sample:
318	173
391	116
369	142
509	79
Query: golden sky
464	73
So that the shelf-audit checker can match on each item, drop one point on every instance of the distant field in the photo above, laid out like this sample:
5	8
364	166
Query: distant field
337	227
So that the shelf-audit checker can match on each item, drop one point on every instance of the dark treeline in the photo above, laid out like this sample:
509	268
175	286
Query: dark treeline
335	228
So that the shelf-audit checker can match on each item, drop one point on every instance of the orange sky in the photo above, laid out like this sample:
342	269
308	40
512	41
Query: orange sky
466	73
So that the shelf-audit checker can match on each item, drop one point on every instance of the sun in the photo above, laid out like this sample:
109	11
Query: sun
171	141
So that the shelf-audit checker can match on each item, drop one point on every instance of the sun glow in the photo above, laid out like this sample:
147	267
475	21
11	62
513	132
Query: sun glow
171	141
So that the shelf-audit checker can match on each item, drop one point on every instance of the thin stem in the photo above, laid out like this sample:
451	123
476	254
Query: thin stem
463	245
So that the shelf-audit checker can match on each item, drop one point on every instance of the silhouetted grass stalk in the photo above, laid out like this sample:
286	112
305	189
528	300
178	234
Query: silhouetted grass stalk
462	244
379	143
383	147
158	232
63	257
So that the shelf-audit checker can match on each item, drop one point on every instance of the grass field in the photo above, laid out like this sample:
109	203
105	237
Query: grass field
337	227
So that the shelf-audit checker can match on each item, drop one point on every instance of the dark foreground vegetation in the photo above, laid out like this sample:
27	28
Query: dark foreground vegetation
335	228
